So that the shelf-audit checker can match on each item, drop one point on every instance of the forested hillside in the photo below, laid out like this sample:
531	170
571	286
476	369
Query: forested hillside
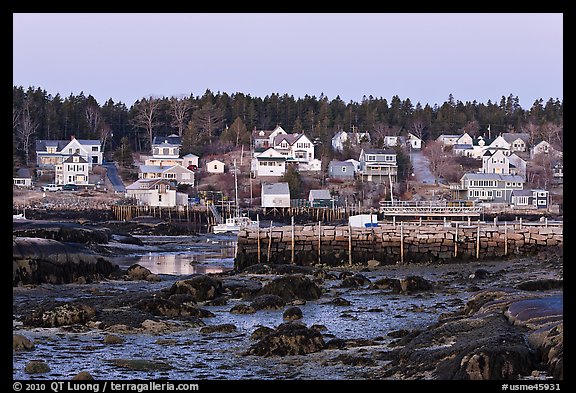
219	121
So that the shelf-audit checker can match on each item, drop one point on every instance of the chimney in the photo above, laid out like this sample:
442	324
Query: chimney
72	137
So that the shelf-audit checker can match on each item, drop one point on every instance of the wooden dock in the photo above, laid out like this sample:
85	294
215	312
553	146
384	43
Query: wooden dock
430	209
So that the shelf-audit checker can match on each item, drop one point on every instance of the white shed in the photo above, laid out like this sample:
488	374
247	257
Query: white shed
215	166
275	195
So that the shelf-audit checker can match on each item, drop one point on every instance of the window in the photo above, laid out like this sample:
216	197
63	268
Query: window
498	193
370	158
541	202
215	166
263	163
343	169
542	194
159	198
94	148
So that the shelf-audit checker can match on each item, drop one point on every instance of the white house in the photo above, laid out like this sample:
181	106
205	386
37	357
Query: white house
177	173
393	140
23	178
464	139
356	164
378	165
269	163
518	141
264	139
190	161
156	192
215	166
413	141
448	139
496	162
166	146
49	153
295	147
517	165
544	148
73	170
341	137
275	195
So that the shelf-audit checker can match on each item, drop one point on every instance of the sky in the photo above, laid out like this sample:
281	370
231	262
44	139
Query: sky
421	56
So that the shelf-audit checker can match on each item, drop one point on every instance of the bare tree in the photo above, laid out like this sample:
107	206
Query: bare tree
26	130
15	116
437	157
553	133
145	116
417	127
209	119
472	128
532	130
93	118
179	110
104	132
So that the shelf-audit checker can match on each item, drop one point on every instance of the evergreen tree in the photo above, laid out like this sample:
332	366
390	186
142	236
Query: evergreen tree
123	155
294	180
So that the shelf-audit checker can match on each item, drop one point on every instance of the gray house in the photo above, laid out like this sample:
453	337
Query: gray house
320	198
343	170
487	187
537	199
377	164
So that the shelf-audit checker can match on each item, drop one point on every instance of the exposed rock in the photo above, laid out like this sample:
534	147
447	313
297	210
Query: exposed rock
292	314
201	287
479	274
415	283
291	269
36	367
293	286
83	376
21	343
351	360
241	289
168	308
258	268
112	339
339	301
219	301
343	275
242	309
61	231
318	327
355	281
268	302
398	333
260	332
166	341
61	315
137	272
126	239
324	275
387	283
36	261
223	328
540	285
373	263
290	338
336	343
140	364
161	327
153	278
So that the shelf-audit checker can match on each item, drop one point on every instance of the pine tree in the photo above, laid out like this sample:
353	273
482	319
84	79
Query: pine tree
123	155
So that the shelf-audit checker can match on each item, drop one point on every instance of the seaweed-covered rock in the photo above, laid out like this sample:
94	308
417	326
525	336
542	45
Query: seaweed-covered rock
267	302
223	328
292	314
291	287
242	309
61	315
201	287
290	338
21	343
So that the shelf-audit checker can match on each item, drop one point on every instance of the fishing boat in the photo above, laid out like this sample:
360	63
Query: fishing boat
237	222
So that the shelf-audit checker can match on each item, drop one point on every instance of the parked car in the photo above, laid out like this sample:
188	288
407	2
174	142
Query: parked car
70	187
51	187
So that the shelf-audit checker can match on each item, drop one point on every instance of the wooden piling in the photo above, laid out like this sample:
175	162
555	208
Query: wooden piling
505	238
269	243
456	241
258	221
478	241
349	244
292	254
401	242
319	240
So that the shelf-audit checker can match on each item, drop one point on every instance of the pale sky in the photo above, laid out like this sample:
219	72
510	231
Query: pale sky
421	56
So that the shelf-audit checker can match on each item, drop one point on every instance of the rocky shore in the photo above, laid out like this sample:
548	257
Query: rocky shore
486	320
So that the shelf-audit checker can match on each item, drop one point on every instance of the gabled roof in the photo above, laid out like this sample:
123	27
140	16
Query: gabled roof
379	151
23	172
341	163
290	138
463	146
275	188
512	136
522	193
487	141
319	194
146	184
71	159
42	144
270	154
493	176
211	161
167	140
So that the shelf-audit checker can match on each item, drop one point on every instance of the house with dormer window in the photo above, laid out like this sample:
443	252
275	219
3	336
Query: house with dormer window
269	163
156	192
73	170
487	187
50	153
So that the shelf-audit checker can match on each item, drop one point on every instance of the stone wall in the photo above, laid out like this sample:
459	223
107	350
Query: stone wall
390	244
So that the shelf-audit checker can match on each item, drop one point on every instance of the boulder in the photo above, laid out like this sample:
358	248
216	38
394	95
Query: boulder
61	315
260	332
140	364
201	287
290	338
373	263
21	343
540	285
242	309
168	308
415	284
137	272
291	287
339	301
36	367
83	376
355	281
112	339
292	314
267	302
387	283
241	289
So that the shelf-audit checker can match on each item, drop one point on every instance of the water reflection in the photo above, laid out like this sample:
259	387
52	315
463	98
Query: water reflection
184	259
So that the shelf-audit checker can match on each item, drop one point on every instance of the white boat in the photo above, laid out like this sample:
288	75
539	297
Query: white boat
238	222
235	224
19	216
